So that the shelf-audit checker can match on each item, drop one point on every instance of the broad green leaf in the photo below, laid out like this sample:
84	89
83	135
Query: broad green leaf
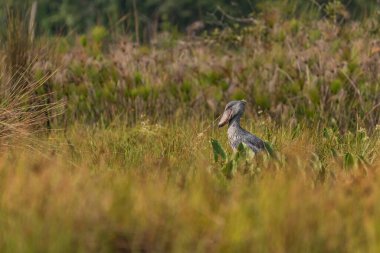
245	152
218	150
241	151
229	169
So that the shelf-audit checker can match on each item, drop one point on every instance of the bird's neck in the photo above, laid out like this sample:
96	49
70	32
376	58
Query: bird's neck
234	122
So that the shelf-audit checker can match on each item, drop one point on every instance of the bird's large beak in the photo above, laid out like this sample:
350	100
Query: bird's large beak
225	118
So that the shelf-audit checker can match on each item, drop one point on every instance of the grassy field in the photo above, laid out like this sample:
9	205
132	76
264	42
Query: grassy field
106	145
156	188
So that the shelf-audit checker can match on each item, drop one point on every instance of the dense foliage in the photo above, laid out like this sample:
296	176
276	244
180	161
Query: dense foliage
287	70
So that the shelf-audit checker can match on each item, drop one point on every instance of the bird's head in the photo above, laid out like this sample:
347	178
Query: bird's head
233	109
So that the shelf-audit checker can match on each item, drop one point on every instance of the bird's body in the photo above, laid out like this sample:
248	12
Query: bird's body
236	134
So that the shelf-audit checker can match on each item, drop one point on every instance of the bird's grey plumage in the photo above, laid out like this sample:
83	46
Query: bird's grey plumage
236	134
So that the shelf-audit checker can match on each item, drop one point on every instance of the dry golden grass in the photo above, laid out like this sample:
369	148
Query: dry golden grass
24	112
138	189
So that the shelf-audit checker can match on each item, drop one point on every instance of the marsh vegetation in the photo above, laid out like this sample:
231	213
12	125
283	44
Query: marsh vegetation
109	144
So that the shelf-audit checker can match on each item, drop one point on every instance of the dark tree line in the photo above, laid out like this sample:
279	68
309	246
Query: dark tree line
63	16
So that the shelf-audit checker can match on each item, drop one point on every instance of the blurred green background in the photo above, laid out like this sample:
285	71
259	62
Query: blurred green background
64	16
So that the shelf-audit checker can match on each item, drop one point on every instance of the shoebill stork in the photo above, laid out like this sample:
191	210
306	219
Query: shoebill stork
236	134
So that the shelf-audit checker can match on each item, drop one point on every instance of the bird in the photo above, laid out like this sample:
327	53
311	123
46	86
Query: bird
233	111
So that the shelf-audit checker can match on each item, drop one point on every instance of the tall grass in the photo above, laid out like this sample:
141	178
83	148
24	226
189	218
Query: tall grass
25	107
156	188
